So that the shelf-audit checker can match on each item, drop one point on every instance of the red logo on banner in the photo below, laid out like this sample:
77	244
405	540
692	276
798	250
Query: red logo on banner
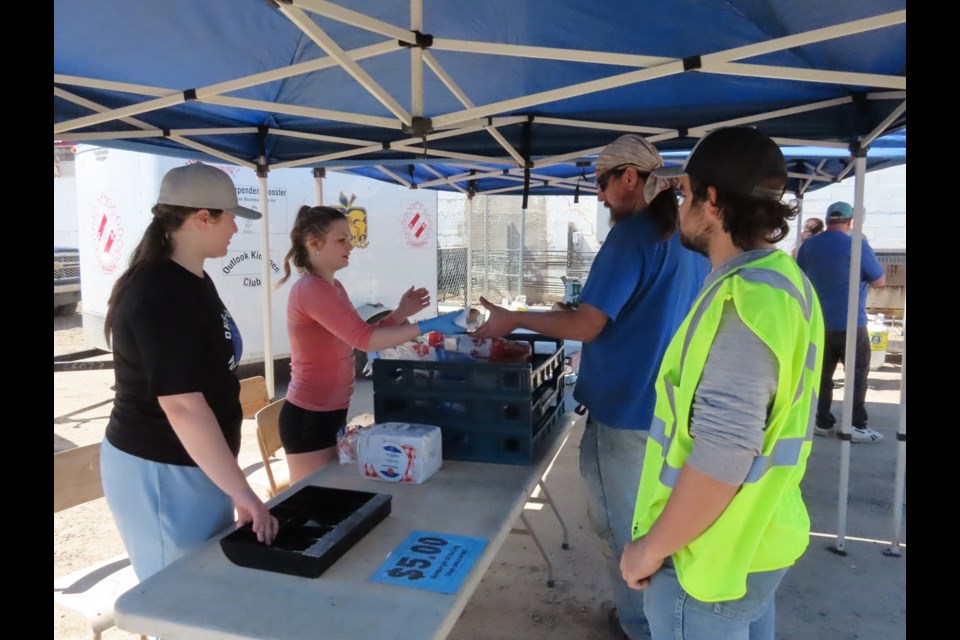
416	225
108	234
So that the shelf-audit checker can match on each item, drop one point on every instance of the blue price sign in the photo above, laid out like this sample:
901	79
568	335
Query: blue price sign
431	561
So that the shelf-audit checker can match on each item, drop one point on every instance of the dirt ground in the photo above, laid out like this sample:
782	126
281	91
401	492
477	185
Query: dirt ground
826	596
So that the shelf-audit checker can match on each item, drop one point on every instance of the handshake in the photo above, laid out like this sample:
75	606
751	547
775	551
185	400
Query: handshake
451	323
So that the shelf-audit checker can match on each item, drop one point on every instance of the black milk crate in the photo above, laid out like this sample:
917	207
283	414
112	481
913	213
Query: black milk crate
317	526
487	412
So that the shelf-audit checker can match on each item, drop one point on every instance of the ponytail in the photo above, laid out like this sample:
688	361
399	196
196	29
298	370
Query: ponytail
665	213
311	222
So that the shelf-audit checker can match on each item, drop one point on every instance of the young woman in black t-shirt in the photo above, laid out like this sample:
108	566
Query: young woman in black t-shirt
169	458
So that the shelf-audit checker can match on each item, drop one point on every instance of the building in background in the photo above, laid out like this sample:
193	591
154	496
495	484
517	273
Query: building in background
559	239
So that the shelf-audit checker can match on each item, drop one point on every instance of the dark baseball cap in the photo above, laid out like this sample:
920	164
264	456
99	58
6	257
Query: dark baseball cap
839	212
738	159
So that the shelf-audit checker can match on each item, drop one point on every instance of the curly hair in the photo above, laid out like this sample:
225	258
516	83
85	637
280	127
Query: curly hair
749	221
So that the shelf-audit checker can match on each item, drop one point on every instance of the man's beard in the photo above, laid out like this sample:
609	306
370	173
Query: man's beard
619	215
696	240
694	243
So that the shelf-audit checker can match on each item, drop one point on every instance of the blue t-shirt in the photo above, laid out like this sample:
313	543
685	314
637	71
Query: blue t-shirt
646	287
825	258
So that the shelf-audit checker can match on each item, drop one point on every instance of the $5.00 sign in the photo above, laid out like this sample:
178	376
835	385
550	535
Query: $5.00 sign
430	561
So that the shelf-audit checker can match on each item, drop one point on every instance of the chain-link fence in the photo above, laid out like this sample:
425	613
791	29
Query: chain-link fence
496	229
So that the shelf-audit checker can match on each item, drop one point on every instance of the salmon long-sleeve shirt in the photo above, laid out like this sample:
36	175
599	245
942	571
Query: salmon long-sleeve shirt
324	329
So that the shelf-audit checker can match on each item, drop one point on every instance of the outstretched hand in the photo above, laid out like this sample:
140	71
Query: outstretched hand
412	302
499	323
445	324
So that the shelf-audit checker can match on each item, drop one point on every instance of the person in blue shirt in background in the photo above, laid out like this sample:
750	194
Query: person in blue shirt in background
825	258
641	285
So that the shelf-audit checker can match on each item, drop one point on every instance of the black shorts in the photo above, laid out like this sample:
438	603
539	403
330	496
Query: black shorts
303	431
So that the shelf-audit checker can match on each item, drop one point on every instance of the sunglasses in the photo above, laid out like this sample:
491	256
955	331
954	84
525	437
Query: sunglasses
604	178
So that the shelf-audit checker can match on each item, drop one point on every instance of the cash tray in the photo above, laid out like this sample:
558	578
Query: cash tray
317	526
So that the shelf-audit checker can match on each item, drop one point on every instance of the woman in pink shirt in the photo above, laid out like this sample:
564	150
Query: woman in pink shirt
324	329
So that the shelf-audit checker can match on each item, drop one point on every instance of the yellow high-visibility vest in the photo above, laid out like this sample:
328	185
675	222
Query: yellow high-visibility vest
766	526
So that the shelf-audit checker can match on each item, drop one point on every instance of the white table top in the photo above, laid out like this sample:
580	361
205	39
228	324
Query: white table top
204	595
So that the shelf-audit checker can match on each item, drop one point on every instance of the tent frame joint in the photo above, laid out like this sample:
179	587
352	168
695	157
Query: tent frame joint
419	127
423	41
692	63
857	151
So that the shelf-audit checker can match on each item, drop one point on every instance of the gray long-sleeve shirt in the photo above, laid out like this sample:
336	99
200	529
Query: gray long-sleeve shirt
736	391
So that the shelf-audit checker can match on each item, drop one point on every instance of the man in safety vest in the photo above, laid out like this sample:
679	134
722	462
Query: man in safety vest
719	516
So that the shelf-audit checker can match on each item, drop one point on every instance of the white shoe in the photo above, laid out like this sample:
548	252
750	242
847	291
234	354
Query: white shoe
865	435
826	433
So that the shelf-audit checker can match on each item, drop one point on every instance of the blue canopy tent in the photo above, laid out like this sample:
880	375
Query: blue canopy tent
305	83
810	168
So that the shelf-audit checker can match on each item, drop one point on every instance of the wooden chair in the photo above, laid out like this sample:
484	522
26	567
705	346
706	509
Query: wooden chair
273	477
253	395
268	437
91	591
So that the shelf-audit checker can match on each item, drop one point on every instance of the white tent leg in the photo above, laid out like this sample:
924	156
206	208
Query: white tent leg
901	473
486	246
267	285
468	289
796	243
523	228
849	358
318	175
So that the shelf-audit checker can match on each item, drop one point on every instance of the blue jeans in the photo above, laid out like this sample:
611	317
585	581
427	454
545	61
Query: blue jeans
674	614
161	510
610	463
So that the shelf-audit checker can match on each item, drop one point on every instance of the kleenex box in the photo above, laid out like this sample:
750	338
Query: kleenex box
399	452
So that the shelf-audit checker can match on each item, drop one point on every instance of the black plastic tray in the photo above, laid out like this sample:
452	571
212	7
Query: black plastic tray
317	526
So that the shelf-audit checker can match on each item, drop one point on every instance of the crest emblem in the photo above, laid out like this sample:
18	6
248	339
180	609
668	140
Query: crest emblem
356	218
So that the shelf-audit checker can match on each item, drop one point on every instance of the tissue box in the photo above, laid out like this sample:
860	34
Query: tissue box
399	452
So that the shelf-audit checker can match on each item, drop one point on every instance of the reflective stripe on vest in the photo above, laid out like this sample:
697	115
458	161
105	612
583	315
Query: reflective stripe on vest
785	453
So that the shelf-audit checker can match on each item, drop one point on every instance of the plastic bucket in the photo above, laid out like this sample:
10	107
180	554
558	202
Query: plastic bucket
879	335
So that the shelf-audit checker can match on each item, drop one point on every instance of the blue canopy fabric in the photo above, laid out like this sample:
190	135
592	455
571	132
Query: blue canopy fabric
538	85
810	168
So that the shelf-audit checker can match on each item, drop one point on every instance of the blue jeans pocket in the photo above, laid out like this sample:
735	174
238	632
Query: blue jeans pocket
761	589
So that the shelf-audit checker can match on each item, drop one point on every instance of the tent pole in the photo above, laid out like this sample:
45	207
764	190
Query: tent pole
849	358
486	246
265	277
523	224
799	227
901	472
416	61
467	289
319	174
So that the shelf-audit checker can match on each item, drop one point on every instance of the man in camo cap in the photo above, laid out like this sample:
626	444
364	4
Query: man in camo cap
641	284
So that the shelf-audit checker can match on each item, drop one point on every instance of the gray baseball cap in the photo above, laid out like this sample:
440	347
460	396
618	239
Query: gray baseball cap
202	186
